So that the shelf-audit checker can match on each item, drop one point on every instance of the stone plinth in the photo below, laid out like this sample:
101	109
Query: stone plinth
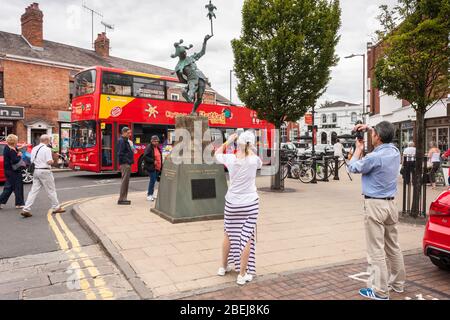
191	190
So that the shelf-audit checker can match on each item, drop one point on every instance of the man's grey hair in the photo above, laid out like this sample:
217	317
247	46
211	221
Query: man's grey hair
125	130
44	138
386	131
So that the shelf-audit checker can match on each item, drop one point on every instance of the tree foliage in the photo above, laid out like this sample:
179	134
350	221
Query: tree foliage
416	52
284	55
414	65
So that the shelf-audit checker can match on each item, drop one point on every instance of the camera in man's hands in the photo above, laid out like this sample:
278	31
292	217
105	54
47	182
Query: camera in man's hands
358	134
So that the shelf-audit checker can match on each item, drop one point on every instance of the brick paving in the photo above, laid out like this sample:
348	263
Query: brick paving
424	281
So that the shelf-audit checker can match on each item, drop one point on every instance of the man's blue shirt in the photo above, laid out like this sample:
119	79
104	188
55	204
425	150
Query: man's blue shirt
380	170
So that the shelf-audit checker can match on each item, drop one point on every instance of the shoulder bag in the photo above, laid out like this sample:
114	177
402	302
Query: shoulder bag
32	165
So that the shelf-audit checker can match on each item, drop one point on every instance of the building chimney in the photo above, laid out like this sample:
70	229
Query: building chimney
102	45
32	25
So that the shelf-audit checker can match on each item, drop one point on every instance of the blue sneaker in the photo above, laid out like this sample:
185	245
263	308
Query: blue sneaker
370	294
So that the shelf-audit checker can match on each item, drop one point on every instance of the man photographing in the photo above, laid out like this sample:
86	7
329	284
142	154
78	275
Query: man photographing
379	171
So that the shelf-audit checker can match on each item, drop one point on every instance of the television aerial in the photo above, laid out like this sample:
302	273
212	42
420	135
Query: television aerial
107	26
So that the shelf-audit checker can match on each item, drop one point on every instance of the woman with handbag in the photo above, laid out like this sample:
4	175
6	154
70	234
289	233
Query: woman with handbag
153	165
13	165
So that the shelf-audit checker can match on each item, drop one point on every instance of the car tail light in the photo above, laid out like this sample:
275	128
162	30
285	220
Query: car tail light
438	208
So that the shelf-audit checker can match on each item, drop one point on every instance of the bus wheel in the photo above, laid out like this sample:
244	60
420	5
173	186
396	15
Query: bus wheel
141	167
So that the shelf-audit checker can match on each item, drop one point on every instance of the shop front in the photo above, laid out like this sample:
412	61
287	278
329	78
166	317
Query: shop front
438	130
8	120
64	120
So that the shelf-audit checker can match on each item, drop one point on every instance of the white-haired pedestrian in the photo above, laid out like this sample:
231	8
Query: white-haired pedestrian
41	157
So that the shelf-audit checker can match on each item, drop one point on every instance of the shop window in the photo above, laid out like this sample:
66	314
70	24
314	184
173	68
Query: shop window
440	136
443	139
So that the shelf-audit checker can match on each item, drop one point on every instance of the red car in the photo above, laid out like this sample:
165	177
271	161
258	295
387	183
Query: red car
436	242
27	177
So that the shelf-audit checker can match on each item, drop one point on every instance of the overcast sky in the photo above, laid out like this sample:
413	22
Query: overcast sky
145	31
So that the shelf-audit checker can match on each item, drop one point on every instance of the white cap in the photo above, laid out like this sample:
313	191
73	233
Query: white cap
247	137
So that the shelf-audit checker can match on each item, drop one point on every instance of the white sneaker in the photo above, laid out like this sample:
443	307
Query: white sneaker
241	280
222	271
150	198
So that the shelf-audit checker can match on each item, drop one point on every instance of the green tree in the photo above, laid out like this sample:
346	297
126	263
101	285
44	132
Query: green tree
284	56
415	63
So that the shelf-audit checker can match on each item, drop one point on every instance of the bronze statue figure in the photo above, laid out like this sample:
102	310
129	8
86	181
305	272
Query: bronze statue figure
188	73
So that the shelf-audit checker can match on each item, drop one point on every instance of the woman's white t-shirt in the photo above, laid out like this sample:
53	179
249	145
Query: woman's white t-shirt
242	188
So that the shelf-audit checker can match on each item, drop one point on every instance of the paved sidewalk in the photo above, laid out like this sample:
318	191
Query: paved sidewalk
314	226
424	282
75	274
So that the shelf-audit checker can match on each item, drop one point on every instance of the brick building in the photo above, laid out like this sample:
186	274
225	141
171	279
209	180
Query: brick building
36	79
401	114
290	132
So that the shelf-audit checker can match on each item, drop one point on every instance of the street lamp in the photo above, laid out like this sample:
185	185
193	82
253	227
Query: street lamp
363	55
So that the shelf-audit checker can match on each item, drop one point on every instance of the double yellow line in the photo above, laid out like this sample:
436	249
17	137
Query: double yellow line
69	243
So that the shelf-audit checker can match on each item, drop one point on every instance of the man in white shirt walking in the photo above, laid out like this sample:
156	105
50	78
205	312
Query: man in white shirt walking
41	157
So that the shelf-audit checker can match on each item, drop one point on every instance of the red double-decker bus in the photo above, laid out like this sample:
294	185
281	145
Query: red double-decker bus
106	100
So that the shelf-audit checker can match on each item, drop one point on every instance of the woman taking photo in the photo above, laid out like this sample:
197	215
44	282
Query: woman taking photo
434	159
241	207
13	172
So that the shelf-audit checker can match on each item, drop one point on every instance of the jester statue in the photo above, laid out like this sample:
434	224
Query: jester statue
188	73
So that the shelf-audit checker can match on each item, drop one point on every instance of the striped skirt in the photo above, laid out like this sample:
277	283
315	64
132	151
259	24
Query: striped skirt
240	226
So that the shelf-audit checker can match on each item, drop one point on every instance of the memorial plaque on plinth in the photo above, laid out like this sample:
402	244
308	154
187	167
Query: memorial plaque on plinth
189	189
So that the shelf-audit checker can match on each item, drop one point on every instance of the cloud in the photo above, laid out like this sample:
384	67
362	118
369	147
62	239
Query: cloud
146	30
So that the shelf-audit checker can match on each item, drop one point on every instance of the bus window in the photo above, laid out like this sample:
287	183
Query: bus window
142	133
117	84
83	134
85	83
148	88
